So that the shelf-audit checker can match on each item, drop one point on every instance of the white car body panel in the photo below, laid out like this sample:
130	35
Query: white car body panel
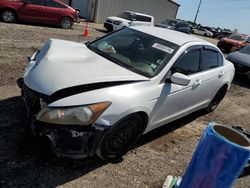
66	64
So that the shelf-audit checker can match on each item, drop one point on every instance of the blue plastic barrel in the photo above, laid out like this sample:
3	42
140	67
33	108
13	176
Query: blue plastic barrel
220	157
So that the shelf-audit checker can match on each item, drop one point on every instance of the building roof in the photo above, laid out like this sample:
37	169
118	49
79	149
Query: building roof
169	35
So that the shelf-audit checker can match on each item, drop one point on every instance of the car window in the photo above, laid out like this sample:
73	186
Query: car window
38	2
137	51
188	64
210	60
55	4
142	18
220	59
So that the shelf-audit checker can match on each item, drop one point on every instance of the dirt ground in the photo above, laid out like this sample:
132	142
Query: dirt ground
25	162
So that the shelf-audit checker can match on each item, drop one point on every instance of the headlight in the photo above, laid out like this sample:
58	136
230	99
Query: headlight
82	115
117	22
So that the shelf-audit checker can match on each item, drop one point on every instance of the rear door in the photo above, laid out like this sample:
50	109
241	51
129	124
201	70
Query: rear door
54	12
33	11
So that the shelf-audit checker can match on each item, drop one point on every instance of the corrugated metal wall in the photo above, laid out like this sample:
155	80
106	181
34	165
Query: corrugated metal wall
160	9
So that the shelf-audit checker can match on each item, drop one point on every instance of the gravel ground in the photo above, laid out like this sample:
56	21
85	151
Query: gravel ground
25	162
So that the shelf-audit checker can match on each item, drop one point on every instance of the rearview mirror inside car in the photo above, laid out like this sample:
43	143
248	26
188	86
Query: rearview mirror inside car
180	79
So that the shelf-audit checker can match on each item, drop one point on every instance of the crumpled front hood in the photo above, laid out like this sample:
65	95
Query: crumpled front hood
62	64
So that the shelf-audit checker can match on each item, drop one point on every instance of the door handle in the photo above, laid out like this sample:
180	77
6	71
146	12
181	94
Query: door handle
221	74
197	82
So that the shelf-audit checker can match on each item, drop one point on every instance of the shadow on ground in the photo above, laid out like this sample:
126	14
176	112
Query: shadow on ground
242	81
102	30
29	162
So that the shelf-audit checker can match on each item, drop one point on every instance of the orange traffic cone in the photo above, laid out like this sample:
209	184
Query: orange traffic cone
86	30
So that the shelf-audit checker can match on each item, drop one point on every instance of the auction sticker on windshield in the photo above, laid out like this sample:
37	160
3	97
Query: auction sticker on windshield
163	48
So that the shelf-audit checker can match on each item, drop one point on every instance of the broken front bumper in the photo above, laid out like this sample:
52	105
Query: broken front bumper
72	141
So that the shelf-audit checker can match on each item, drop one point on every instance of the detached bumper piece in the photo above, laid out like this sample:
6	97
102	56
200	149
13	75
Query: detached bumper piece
72	141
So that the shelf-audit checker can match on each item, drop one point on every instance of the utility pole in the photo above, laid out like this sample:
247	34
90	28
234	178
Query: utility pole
198	10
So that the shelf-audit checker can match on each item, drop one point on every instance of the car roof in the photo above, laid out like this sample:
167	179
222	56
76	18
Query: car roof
169	35
139	13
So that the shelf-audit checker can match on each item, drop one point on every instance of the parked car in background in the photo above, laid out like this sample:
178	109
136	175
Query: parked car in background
183	27
241	61
223	33
213	30
202	31
127	19
170	24
38	11
233	42
100	96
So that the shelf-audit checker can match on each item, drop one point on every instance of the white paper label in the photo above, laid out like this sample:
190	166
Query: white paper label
163	48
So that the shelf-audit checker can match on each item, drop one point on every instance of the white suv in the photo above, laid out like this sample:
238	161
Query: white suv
127	19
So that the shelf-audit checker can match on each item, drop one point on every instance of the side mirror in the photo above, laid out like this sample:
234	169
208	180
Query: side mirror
180	79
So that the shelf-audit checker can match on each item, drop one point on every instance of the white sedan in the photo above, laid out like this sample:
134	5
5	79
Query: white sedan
202	31
98	97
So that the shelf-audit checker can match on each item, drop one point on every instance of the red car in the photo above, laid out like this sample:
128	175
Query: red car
233	42
38	11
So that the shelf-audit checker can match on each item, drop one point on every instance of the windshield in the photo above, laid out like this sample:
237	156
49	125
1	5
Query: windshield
245	50
237	37
137	51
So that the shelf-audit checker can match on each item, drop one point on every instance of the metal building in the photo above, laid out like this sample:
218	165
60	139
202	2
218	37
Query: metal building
99	10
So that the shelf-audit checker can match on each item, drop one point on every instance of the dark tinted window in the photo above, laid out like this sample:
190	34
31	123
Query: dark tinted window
38	2
220	60
245	50
238	37
210	59
142	18
55	4
182	24
188	63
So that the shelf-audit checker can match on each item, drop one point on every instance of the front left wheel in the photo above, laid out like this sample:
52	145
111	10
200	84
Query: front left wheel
217	99
117	141
8	16
66	23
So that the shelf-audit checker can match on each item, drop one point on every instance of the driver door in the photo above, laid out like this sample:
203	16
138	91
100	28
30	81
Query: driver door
176	100
33	11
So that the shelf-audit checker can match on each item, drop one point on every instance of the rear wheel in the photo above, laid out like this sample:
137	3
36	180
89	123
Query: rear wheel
217	99
117	141
66	23
8	16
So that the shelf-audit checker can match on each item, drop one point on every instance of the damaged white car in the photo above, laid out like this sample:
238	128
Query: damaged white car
98	97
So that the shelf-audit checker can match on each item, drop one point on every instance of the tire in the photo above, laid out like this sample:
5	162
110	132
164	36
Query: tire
119	139
8	16
217	99
66	23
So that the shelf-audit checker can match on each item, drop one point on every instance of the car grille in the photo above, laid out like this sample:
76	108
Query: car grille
241	68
